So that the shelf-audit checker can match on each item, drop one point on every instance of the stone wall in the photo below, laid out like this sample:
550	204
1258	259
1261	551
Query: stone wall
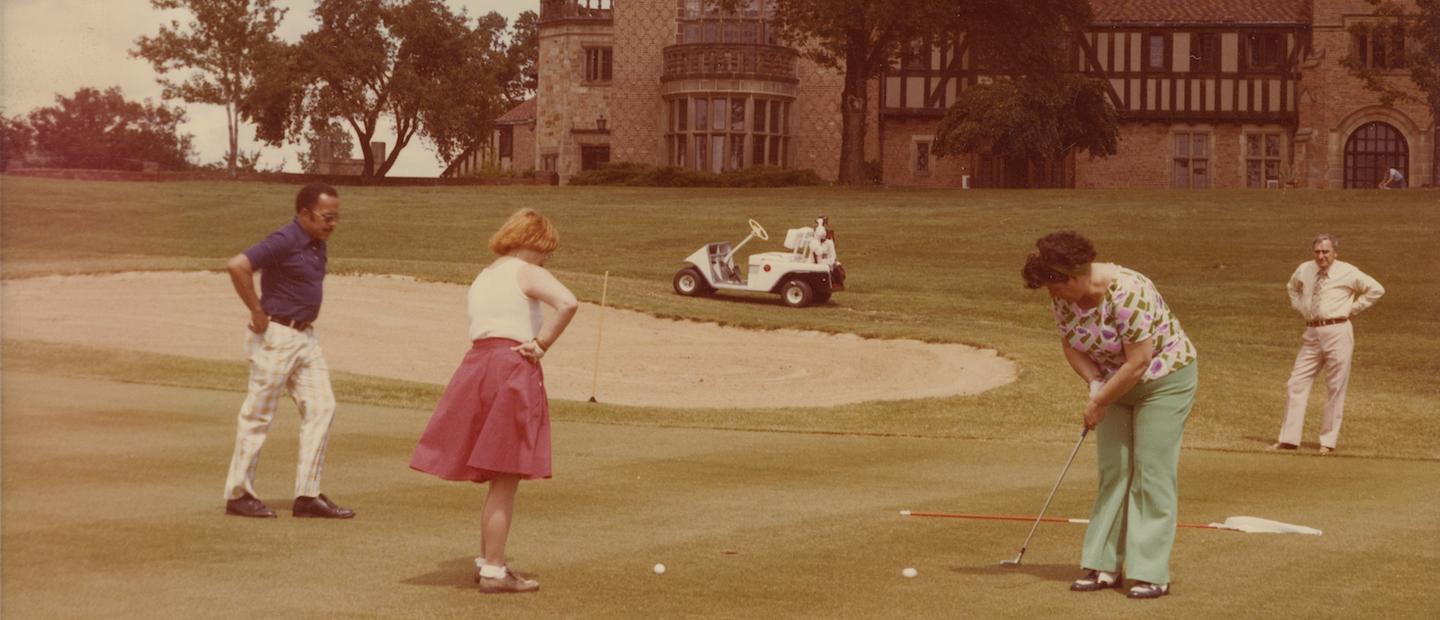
566	102
522	145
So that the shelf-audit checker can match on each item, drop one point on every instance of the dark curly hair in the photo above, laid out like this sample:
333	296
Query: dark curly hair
1060	256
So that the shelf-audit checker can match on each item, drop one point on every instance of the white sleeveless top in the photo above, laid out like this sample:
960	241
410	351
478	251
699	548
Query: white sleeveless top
497	306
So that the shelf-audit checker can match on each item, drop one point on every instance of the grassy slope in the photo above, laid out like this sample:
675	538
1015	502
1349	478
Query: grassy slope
112	509
934	265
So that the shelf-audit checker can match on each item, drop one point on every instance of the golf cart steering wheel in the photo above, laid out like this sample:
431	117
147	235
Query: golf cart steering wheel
759	230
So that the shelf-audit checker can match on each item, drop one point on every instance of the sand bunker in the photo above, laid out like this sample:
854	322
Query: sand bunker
397	327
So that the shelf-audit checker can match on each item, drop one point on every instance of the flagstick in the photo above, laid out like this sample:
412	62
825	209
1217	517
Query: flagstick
599	332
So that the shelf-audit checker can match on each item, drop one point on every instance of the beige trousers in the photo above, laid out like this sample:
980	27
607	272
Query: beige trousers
283	361
1328	347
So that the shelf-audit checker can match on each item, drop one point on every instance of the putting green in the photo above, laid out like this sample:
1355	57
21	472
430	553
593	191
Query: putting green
113	509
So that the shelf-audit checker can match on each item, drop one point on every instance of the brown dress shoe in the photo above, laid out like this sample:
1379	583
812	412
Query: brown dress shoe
1280	445
511	583
1326	450
319	507
247	506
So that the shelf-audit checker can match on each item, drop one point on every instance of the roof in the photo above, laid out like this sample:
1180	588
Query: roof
1201	11
518	115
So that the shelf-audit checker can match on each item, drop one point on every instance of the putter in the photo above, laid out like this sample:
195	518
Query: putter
1026	545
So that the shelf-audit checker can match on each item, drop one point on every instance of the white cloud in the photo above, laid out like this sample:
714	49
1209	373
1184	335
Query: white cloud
54	47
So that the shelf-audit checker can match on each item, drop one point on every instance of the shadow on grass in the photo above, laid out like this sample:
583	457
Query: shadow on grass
458	573
1049	572
758	298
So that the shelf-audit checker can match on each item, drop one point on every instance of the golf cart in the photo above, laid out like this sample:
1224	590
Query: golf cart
796	275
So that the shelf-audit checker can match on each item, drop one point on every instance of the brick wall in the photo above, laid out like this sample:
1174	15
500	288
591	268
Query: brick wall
815	120
1146	157
642	30
900	155
1334	104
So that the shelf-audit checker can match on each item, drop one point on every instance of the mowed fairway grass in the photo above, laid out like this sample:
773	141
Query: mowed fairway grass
113	461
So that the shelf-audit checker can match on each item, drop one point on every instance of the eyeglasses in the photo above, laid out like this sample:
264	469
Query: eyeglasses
329	218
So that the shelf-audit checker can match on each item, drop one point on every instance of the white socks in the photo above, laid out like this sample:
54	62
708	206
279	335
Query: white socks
490	571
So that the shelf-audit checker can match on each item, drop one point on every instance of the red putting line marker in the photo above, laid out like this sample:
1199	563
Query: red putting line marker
958	515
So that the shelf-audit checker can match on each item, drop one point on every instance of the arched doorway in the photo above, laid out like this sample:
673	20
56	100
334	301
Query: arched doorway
1371	152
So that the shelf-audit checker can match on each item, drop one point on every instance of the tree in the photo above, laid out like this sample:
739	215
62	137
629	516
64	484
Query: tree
221	53
1414	40
415	63
275	103
340	145
95	129
15	139
862	37
522	57
1037	119
858	38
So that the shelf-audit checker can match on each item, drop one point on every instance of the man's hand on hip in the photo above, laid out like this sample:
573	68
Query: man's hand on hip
259	322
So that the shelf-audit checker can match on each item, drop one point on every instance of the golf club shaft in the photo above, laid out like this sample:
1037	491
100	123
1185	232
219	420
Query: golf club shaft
1042	518
1053	489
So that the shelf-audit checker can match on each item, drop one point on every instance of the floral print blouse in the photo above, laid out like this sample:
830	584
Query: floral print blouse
1131	311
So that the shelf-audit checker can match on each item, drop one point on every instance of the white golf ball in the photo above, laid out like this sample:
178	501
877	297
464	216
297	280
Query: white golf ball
659	569
909	572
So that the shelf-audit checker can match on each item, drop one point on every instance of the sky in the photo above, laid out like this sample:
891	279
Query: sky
54	47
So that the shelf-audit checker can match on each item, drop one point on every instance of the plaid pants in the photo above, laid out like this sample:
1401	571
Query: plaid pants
283	360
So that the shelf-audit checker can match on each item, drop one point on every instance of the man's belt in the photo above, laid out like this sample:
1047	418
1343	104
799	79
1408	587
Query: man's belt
301	326
1324	322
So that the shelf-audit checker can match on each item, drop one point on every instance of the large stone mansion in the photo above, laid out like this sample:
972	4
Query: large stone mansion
1211	93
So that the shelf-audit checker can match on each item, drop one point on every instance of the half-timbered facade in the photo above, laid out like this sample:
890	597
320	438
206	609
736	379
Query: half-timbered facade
1211	94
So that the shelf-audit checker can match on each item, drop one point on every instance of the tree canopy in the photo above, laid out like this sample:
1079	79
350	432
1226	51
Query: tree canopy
94	129
15	139
219	55
522	56
861	38
1032	118
415	63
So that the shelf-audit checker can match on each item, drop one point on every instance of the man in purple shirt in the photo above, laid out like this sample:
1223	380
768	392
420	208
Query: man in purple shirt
285	355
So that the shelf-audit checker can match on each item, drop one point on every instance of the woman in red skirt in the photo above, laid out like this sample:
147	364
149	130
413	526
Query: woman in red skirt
493	421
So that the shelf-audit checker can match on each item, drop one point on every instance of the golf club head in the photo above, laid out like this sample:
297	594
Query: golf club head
1014	562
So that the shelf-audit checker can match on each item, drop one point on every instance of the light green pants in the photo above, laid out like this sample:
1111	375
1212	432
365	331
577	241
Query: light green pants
1132	526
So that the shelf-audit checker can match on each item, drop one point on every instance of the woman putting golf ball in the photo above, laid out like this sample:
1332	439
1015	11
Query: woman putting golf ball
1121	338
492	424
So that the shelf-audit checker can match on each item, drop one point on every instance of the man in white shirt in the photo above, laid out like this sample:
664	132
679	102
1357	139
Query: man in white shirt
1393	180
1327	292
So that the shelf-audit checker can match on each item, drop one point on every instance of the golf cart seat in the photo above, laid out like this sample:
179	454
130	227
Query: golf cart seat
722	264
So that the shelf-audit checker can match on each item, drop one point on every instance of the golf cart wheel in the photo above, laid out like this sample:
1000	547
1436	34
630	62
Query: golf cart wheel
797	293
690	283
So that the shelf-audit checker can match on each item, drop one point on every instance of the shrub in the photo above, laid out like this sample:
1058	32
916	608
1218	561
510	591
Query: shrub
619	173
639	175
